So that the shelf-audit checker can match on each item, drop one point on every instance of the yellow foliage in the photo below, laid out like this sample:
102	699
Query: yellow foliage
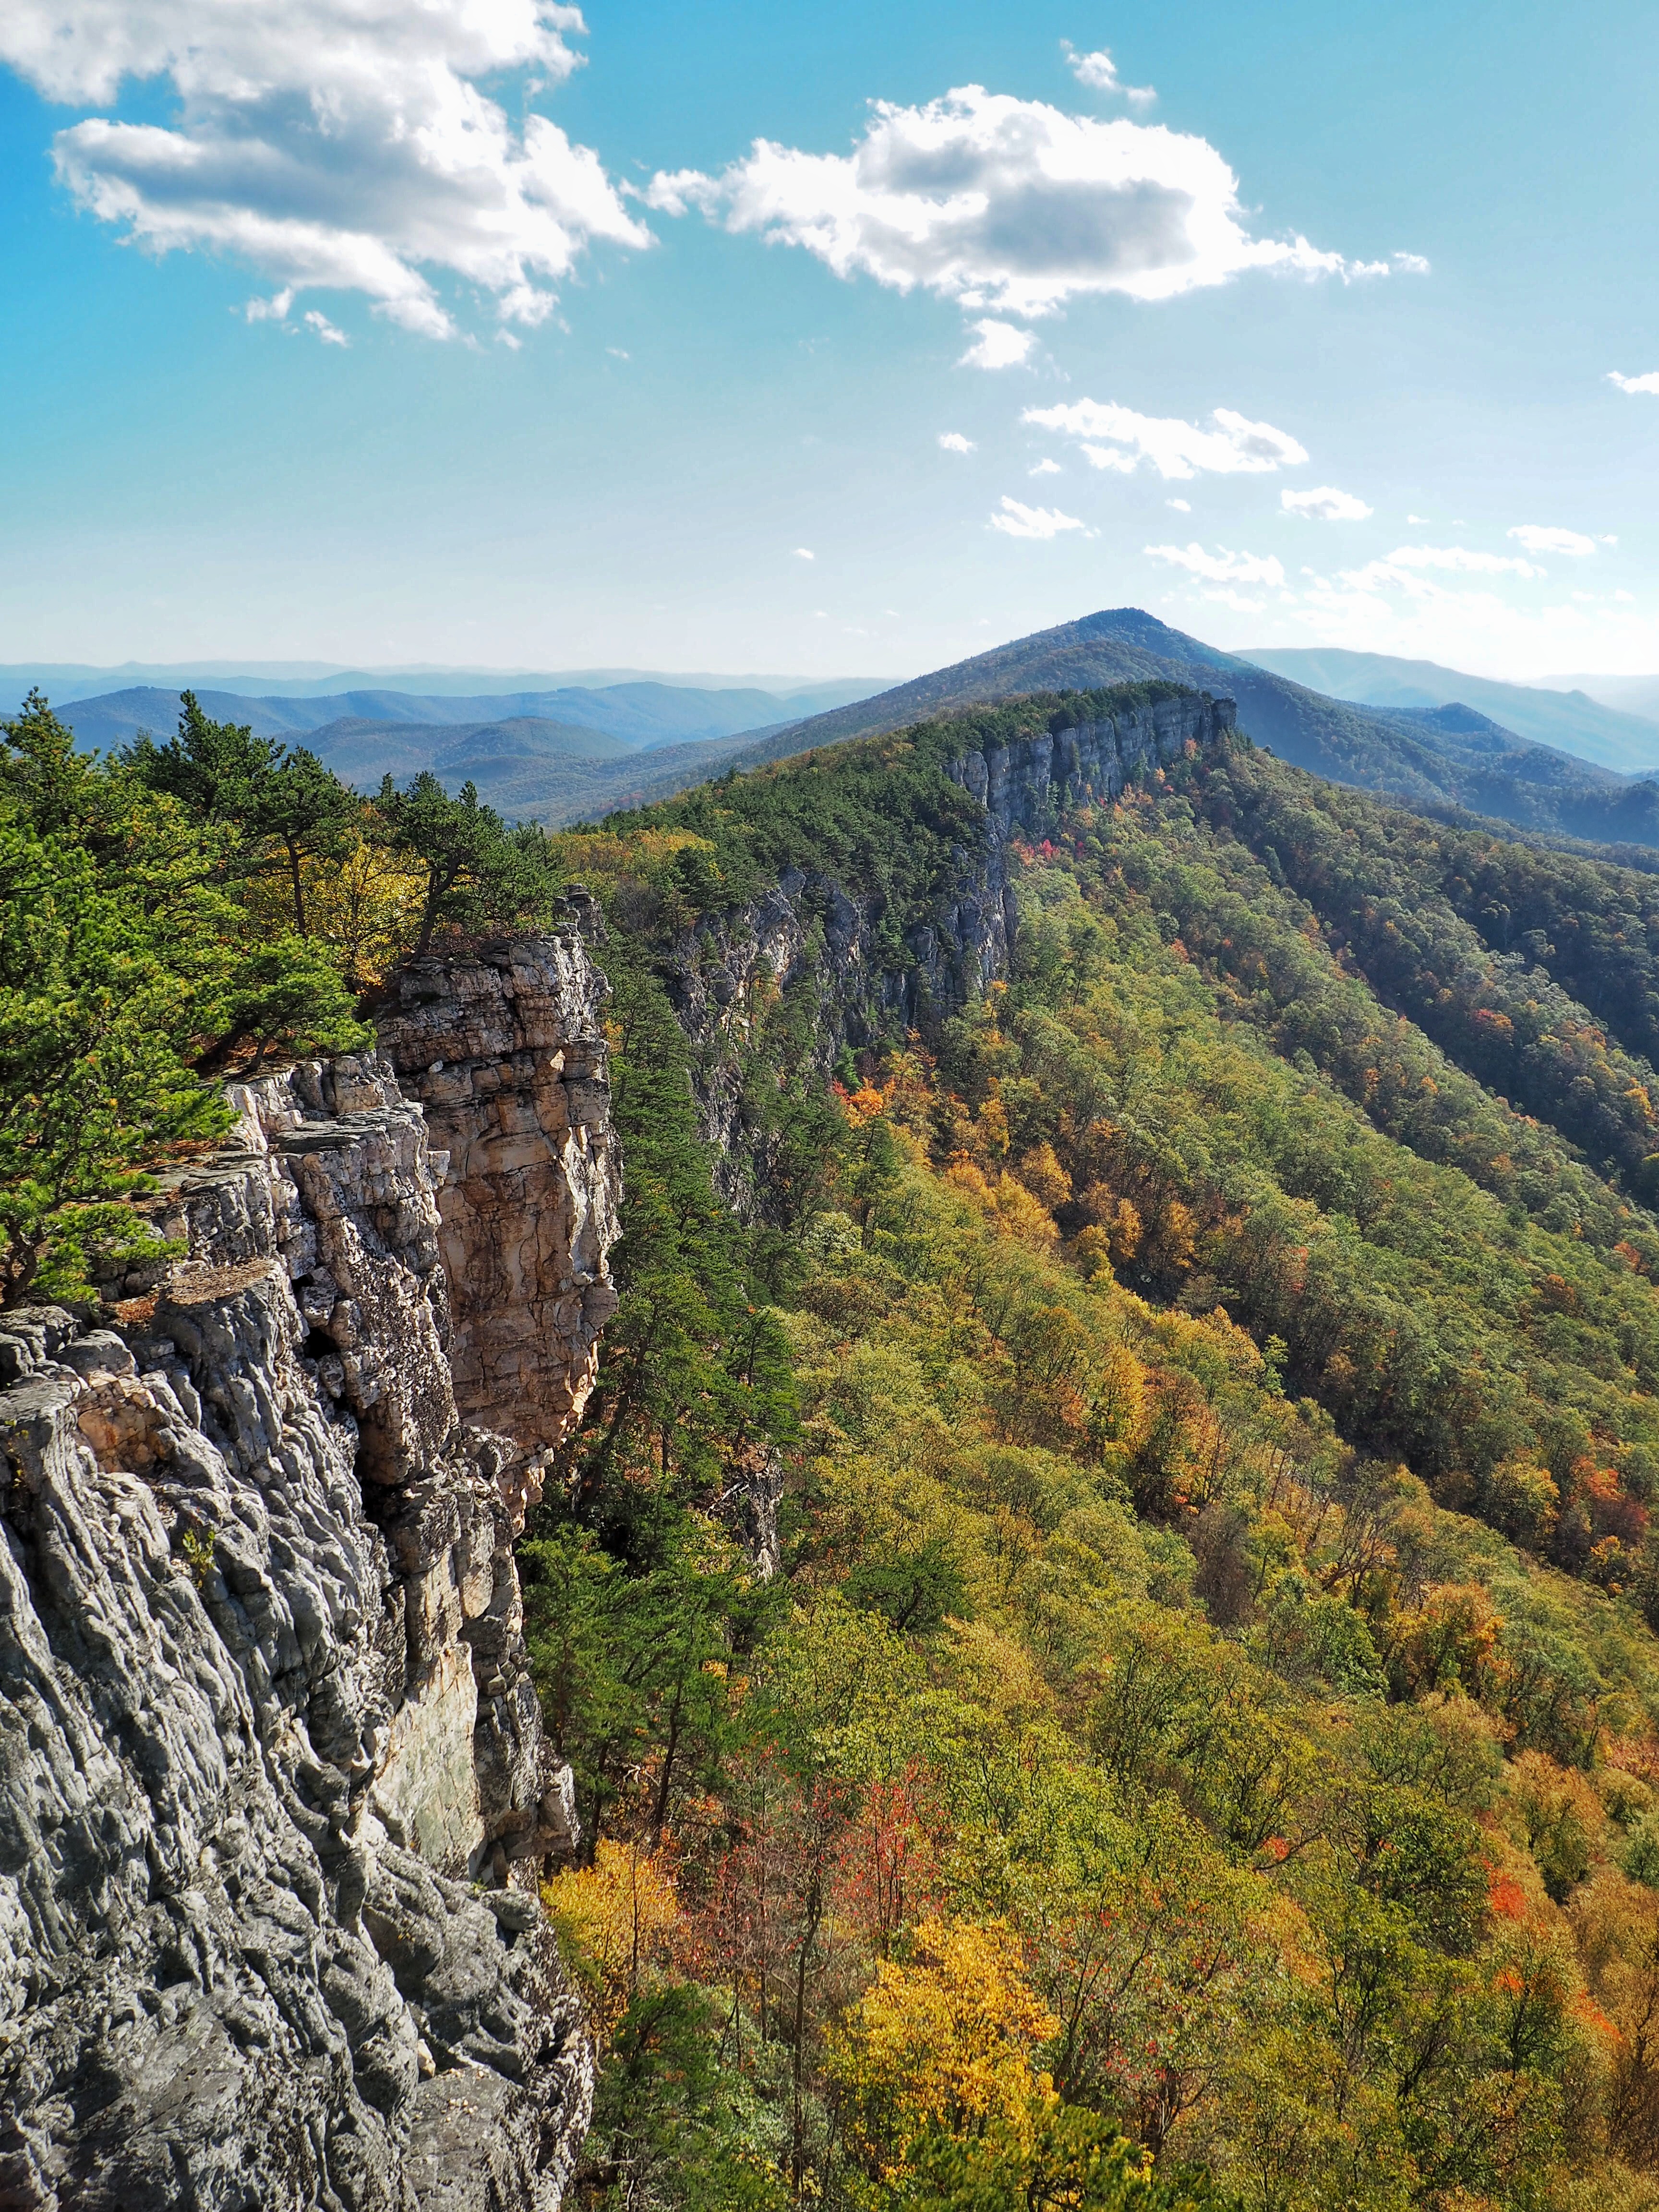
1172	1237
1023	1215
943	2039
615	1922
1117	1391
1041	1172
992	1129
603	855
367	905
1117	1218
961	1175
1093	1248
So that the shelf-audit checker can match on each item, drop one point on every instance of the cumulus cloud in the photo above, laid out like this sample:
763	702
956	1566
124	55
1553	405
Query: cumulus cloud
1410	264
1537	540
1220	567
1235	447
1647	383
1098	72
1180	506
335	143
1325	503
954	442
1046	468
999	346
1003	204
316	320
805	553
1017	520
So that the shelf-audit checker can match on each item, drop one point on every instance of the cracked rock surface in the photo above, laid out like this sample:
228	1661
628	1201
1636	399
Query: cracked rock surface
273	1785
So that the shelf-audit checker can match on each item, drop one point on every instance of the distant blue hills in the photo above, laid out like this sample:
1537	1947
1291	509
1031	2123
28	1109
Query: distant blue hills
555	753
1559	762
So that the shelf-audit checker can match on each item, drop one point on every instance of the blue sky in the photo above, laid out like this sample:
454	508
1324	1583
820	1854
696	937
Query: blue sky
520	407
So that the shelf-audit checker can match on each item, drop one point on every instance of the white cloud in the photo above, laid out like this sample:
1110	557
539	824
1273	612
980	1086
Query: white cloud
805	553
1410	264
1098	72
1235	446
1418	521
1017	520
1647	383
1237	602
338	143
1003	204
1180	506
999	346
326	331
1463	558
1626	599
954	442
1537	540
1220	567
1325	503
1046	468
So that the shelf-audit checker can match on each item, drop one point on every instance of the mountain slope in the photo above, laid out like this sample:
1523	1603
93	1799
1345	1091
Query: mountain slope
1572	720
1211	1579
1467	762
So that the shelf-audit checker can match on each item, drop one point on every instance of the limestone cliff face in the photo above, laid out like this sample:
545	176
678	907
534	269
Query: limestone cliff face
818	932
273	1785
505	1056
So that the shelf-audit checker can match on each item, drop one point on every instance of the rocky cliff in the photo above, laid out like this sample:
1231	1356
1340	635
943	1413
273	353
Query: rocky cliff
817	933
273	1787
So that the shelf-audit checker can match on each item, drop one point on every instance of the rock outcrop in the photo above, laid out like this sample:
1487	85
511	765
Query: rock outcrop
273	1785
817	933
505	1054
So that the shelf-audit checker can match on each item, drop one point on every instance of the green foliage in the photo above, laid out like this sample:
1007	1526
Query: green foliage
159	924
286	805
124	969
475	873
1141	1371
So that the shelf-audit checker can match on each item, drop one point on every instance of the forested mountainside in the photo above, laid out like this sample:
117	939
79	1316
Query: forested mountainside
1102	1606
1434	759
1208	1693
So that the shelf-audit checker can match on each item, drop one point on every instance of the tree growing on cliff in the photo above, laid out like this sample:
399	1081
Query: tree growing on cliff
126	967
478	873
287	807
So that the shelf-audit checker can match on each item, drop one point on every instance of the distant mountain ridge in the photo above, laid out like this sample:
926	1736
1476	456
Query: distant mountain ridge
66	683
637	715
1429	758
1574	720
580	752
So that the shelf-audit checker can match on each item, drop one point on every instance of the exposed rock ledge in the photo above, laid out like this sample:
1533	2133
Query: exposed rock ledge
269	1757
813	931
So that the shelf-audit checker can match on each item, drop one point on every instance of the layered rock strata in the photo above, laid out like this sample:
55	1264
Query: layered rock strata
818	932
506	1055
273	1786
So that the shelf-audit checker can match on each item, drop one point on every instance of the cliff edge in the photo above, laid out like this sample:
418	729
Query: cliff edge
273	1785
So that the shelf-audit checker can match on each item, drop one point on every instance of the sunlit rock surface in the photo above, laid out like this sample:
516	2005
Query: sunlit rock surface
273	1785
